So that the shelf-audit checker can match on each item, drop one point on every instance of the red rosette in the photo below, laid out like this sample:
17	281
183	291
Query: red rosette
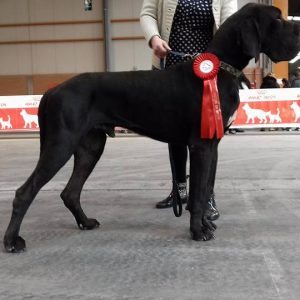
206	66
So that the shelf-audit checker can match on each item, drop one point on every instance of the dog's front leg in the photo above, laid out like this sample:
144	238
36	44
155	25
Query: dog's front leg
201	157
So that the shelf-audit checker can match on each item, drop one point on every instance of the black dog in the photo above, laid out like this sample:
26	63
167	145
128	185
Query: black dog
164	105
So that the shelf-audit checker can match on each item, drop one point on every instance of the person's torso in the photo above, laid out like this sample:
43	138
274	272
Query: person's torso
296	83
192	28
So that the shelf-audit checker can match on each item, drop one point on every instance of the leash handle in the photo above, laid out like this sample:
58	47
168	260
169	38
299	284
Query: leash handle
162	63
177	203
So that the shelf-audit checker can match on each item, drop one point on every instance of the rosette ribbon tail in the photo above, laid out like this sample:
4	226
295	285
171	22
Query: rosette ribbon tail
211	115
206	66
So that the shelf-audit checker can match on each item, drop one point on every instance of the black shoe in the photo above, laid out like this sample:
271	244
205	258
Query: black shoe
212	212
168	202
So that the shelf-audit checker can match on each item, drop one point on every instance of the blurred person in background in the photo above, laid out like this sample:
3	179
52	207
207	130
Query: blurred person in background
285	83
296	79
269	82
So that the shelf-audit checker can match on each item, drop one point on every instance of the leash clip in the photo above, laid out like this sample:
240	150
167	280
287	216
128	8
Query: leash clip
190	56
180	54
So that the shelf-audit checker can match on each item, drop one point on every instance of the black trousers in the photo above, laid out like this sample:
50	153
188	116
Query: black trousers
178	160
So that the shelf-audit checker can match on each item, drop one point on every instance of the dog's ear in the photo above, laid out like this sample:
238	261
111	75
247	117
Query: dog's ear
249	38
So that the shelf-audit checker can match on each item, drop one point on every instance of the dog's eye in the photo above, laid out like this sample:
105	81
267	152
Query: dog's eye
278	20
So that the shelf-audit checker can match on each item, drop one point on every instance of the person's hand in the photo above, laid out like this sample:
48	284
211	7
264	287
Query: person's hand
159	46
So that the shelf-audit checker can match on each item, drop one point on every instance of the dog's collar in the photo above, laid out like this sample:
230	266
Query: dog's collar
230	69
223	65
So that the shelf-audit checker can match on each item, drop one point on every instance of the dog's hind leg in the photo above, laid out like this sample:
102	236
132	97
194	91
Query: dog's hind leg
86	156
52	158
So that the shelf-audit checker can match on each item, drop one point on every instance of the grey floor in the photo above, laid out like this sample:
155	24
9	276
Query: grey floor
143	253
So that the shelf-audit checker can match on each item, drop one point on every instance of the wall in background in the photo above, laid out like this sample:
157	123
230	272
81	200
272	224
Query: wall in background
49	49
46	38
43	42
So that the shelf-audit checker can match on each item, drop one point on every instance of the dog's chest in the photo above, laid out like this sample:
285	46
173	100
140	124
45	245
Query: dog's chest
232	118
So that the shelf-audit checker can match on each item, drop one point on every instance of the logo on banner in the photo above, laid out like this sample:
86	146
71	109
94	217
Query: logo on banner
5	124
296	109
29	119
19	113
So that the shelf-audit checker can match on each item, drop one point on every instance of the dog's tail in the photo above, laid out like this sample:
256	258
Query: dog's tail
42	118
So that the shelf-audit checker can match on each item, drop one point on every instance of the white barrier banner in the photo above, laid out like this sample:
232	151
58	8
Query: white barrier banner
259	108
19	113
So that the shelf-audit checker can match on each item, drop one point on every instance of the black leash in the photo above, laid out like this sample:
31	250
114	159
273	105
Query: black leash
177	203
181	54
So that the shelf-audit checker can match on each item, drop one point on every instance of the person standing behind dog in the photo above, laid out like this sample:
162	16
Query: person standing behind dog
185	26
285	83
296	80
269	82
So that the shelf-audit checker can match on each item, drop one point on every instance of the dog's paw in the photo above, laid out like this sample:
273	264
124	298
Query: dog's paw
209	224
16	245
202	235
89	224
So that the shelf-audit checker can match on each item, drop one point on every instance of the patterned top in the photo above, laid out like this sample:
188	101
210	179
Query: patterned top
192	29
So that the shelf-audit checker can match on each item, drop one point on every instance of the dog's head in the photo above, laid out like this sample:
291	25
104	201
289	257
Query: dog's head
258	28
264	30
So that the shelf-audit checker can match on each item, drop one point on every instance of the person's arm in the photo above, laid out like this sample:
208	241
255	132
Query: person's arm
148	19
149	25
228	7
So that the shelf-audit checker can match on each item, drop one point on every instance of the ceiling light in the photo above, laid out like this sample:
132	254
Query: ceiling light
293	18
295	58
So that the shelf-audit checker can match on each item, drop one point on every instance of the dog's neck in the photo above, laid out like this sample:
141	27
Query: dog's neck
230	69
232	58
230	55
